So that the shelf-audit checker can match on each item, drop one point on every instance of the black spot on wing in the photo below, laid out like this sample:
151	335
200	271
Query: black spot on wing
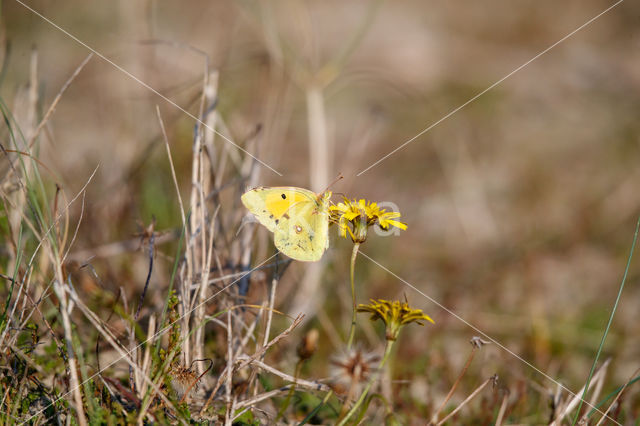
284	197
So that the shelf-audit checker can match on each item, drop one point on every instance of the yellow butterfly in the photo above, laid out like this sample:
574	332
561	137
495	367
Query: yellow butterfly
298	218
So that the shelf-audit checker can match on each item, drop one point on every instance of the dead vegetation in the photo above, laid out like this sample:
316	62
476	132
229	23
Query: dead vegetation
135	290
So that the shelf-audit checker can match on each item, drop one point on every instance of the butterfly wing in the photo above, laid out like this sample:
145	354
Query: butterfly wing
269	205
303	232
298	218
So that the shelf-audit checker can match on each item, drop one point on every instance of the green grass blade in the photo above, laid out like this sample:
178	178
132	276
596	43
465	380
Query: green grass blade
606	331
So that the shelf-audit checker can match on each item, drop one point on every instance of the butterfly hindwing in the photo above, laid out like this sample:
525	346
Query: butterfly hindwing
303	233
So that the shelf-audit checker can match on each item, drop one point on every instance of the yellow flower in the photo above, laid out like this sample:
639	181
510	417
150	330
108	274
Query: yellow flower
361	215
394	315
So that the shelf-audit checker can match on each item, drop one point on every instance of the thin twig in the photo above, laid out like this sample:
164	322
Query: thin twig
197	379
434	418
247	360
297	381
261	397
262	350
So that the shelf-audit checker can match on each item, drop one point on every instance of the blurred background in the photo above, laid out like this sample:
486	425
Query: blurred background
521	206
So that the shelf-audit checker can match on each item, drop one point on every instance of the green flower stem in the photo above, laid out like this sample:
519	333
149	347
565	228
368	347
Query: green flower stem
292	390
374	378
352	332
315	410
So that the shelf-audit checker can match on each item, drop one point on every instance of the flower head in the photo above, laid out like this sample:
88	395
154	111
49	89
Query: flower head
361	215
352	370
394	315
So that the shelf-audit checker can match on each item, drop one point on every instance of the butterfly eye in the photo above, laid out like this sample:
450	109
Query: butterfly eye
284	197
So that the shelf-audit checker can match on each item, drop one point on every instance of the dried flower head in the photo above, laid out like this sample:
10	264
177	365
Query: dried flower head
183	380
352	369
361	215
308	345
394	315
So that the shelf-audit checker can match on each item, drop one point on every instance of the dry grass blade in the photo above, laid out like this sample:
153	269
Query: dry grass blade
53	105
171	165
269	310
491	379
124	354
65	307
613	403
227	373
503	409
229	376
74	382
569	405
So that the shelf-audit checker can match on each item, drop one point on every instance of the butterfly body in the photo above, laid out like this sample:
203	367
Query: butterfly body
298	218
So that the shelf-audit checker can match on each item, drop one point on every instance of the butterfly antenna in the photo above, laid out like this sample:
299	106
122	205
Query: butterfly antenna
336	180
